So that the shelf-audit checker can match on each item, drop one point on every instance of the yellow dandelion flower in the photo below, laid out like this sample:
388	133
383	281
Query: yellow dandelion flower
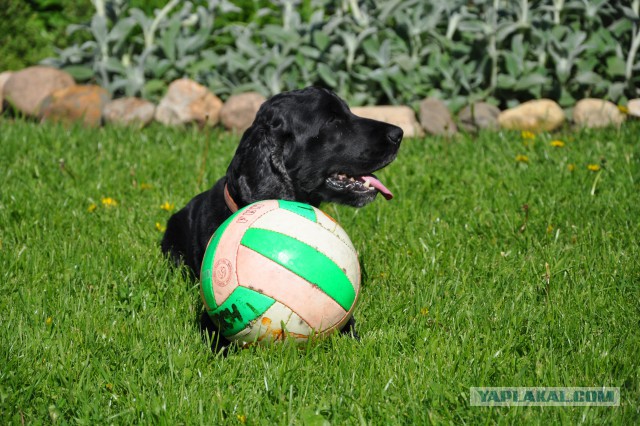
109	387
623	109
92	207
145	186
557	144
549	229
424	311
242	418
49	321
160	227
528	135
522	158
593	167
571	167
167	206
109	202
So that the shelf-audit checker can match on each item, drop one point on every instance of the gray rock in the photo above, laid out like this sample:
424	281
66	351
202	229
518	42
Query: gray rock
129	112
239	111
634	107
535	116
435	118
594	113
26	89
188	102
401	116
4	76
479	115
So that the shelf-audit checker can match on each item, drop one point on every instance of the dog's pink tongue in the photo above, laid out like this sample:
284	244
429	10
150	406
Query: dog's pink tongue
377	185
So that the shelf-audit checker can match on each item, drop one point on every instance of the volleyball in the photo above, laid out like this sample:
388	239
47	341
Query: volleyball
279	270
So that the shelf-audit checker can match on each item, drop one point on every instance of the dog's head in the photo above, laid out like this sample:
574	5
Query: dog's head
307	146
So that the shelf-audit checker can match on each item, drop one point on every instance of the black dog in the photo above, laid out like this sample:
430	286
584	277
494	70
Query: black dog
304	145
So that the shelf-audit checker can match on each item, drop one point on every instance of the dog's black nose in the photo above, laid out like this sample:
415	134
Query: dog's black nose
395	135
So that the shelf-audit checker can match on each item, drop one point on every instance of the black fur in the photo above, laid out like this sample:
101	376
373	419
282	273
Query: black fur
298	140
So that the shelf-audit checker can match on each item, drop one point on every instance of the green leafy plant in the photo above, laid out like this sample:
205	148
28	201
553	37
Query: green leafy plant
135	54
370	52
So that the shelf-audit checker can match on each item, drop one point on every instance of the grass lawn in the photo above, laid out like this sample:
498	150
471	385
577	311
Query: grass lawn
483	271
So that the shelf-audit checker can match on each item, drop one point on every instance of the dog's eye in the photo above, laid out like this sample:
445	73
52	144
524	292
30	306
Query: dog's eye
276	123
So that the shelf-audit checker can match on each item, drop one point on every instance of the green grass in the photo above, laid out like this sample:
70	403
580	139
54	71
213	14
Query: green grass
96	328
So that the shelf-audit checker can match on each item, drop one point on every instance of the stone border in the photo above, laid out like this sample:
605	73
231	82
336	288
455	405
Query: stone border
50	94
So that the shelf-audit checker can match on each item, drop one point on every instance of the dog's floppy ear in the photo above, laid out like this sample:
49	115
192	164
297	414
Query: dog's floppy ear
257	171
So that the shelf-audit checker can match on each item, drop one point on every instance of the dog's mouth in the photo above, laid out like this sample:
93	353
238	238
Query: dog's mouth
367	184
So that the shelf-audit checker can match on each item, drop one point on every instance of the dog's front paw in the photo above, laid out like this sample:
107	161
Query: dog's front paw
349	329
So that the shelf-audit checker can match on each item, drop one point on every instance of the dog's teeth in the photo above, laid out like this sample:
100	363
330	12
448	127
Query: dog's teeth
367	184
352	179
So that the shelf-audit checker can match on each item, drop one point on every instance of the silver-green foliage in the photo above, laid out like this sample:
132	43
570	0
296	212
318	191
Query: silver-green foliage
134	54
374	51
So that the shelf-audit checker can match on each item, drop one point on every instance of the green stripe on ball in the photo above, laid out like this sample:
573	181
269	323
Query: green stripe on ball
300	209
304	261
241	307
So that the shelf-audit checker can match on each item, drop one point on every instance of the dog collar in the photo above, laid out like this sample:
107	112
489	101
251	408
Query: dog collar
229	201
